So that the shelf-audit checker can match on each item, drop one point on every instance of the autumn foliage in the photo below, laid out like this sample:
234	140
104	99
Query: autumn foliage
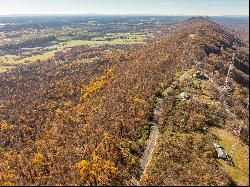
69	122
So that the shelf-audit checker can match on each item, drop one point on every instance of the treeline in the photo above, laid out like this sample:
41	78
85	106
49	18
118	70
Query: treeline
32	43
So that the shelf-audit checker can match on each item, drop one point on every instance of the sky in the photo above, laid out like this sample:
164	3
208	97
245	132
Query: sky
156	7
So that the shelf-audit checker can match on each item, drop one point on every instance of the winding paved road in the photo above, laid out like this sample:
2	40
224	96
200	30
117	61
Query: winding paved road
155	131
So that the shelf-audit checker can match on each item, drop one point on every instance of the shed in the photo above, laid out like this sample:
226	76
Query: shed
185	96
201	75
220	151
229	89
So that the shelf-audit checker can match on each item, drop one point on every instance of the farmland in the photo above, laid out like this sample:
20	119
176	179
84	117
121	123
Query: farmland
25	40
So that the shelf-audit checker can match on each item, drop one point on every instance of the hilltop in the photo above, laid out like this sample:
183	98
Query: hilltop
66	121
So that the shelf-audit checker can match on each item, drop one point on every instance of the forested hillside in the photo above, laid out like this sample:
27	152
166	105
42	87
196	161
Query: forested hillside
71	121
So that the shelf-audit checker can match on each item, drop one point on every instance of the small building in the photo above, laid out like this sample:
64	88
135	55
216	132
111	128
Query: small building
229	89
201	75
185	96
220	151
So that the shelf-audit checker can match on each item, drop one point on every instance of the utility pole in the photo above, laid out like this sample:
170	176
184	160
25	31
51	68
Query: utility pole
230	69
227	87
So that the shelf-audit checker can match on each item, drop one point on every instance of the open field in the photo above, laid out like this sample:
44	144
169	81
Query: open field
239	172
29	56
29	41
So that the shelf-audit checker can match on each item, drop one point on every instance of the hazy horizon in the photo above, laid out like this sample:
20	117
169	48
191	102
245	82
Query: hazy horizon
128	7
128	14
